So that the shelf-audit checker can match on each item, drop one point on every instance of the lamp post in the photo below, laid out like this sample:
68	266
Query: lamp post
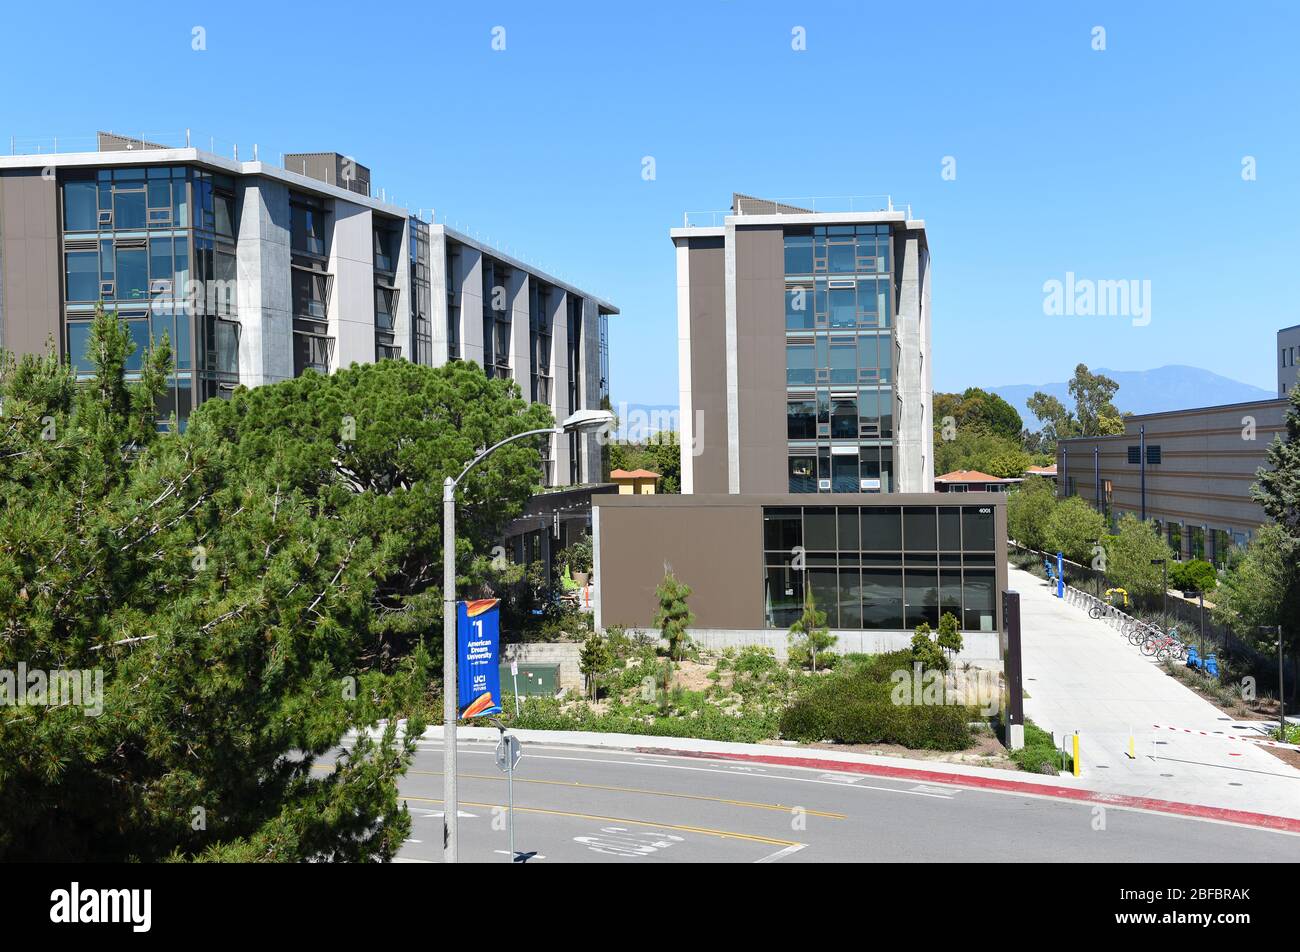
1164	589
1281	703
579	421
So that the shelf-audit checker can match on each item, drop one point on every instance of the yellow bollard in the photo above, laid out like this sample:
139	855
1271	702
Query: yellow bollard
1076	753
1132	745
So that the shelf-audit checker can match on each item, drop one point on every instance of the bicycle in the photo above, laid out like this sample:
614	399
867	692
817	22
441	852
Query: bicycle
1165	646
1143	631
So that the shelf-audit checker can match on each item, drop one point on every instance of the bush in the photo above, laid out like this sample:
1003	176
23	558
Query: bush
1194	575
1039	755
854	706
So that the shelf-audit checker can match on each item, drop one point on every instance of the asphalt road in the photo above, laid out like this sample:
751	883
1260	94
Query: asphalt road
584	805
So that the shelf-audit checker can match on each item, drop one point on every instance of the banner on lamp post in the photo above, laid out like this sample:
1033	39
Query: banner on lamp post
478	652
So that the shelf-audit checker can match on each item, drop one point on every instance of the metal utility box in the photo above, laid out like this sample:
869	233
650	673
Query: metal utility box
535	680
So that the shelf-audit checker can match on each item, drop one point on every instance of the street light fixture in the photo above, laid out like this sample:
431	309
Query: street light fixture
582	420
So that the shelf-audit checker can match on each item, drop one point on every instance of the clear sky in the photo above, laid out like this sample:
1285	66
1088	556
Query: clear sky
1121	164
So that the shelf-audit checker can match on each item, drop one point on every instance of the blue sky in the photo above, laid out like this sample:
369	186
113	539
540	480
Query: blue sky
1123	164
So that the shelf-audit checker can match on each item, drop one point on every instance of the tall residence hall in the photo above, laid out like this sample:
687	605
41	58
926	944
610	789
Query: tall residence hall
259	273
804	368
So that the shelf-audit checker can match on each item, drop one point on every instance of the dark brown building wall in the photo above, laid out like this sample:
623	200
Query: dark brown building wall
712	544
708	303
29	230
760	349
715	545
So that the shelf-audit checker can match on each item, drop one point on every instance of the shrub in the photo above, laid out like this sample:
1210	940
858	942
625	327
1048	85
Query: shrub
1039	755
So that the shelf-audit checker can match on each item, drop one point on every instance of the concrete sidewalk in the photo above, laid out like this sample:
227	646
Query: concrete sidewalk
1083	675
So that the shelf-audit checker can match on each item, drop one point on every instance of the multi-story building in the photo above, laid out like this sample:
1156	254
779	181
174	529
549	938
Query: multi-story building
804	345
258	273
804	342
1288	351
1188	471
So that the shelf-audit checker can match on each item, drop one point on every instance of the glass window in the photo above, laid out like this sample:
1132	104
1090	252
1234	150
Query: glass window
782	529
140	337
850	597
886	359
132	274
801	418
79	347
882	529
799	364
921	590
80	209
950	528
223	207
803	474
798	309
843	308
842	258
825	592
882	597
83	275
848	527
919	529
977	528
819	529
977	596
129	210
798	254
844	472
844	360
784	596
950	592
844	418
160	259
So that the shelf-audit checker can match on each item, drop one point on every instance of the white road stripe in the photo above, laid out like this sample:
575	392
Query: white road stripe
781	854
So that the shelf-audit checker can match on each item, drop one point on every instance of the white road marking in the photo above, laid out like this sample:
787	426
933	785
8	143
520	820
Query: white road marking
781	854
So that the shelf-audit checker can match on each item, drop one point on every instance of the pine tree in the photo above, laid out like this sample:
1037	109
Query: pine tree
251	591
811	628
673	617
594	658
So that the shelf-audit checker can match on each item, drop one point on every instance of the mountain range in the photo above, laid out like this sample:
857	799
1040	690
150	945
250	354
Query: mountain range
1175	387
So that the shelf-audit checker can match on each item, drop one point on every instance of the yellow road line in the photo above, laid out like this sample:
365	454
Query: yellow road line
721	834
782	808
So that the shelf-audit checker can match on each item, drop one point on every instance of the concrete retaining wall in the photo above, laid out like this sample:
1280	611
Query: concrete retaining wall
565	654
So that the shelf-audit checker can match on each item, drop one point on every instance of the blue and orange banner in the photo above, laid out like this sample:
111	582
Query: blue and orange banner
478	674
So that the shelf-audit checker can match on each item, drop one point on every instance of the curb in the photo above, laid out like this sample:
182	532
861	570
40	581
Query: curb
1266	821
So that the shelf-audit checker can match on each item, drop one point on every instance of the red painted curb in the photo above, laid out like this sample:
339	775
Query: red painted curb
1265	820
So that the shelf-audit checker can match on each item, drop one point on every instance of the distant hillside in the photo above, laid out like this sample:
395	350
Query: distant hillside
1146	391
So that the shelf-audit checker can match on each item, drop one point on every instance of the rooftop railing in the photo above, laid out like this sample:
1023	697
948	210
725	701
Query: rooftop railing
816	204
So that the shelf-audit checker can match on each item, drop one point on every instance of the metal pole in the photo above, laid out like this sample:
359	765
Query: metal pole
450	803
1164	596
1201	597
510	786
1142	450
1281	696
1096	473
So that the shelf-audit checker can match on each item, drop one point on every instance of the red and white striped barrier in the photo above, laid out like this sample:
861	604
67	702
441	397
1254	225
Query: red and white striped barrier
1261	740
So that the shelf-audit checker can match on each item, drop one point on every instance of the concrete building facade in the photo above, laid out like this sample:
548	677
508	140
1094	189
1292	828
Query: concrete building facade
1189	471
1288	353
259	273
804	351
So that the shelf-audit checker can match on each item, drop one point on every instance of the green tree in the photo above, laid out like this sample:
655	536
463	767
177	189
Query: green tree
1129	554
660	454
950	639
926	650
594	658
674	617
1075	529
976	409
1056	422
1260	592
1194	575
981	451
1093	409
1029	509
240	587
809	631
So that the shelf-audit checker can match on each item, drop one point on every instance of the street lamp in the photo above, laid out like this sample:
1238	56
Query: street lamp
580	421
1164	571
1281	703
